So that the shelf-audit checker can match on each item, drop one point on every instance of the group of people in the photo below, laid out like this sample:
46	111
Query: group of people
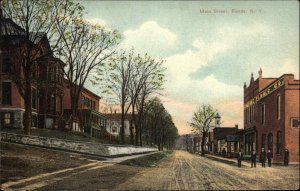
263	157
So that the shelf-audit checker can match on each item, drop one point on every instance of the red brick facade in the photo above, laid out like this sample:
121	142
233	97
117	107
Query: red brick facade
270	105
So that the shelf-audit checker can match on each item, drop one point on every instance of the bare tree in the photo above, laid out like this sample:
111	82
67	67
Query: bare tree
143	69
116	83
153	83
202	121
83	47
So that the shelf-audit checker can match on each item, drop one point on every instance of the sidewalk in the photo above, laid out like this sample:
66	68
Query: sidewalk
230	161
245	163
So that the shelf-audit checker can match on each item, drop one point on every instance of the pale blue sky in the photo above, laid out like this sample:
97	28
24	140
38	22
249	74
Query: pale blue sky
209	55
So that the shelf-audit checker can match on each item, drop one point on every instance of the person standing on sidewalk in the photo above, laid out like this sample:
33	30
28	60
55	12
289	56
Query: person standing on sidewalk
286	157
269	156
263	157
239	158
253	159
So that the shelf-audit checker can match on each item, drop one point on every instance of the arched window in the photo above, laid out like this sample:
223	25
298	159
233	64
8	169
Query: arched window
279	142
278	106
270	142
263	141
263	112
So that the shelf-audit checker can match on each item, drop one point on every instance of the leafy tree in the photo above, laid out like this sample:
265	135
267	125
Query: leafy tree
125	79
202	121
83	47
159	127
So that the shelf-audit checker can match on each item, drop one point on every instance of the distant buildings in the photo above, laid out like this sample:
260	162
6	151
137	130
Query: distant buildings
271	116
113	124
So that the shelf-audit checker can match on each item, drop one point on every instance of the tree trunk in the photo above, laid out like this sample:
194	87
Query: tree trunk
122	125
131	127
28	108
202	143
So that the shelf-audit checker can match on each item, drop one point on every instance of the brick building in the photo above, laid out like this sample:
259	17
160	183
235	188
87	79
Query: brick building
93	121
46	77
271	116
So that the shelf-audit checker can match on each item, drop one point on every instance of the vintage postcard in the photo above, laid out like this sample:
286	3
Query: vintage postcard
149	95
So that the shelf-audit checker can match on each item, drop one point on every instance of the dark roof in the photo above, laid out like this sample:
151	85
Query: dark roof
9	28
222	132
117	116
36	37
83	89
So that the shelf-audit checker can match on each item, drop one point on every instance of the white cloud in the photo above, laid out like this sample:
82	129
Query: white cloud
149	37
186	93
289	66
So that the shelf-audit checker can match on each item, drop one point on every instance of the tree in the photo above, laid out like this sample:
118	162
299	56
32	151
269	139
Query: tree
153	82
159	127
202	121
147	73
35	19
128	76
83	47
116	82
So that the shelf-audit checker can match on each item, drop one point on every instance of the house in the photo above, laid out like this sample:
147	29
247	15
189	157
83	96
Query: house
93	122
46	77
113	125
225	139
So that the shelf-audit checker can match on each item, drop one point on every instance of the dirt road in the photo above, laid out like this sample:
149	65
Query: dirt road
185	171
181	171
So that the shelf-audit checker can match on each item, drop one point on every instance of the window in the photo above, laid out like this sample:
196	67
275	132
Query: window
263	112
278	106
295	122
6	65
7	118
254	108
279	142
270	142
263	141
6	92
250	113
34	98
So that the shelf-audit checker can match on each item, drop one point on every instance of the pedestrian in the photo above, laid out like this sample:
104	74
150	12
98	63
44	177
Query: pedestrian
269	157
239	158
263	157
253	159
286	157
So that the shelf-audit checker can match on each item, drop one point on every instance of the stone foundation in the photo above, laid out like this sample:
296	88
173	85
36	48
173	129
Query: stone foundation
76	146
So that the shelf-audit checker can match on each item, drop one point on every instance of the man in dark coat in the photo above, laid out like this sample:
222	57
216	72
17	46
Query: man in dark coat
263	157
239	158
269	157
286	157
253	159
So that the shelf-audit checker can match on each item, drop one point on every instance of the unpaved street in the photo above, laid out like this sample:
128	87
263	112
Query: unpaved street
181	171
185	171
